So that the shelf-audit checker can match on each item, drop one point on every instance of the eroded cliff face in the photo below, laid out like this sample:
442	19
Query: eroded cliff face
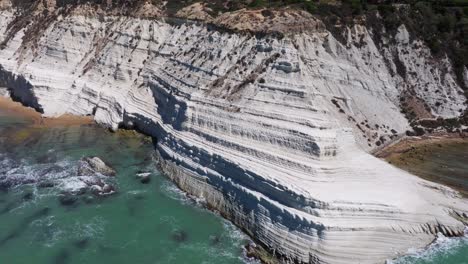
273	132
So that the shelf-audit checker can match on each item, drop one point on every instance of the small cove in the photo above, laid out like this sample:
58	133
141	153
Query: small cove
141	223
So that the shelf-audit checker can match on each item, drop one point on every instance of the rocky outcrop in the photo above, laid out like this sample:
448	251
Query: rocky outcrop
269	21
89	175
272	132
197	11
93	165
144	177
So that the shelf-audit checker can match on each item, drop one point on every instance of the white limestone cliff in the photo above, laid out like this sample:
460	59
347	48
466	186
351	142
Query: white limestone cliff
274	133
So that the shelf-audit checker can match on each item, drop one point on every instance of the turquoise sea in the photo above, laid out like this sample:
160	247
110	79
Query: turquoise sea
141	223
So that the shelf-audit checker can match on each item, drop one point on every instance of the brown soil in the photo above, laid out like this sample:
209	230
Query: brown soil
410	143
434	158
268	21
9	107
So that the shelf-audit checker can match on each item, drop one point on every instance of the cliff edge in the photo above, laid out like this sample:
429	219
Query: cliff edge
272	131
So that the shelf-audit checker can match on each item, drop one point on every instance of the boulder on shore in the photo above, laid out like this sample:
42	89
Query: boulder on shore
93	165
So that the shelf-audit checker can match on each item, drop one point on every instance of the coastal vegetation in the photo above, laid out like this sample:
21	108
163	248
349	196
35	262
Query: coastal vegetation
273	131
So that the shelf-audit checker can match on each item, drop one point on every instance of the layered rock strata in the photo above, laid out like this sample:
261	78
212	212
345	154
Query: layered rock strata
273	132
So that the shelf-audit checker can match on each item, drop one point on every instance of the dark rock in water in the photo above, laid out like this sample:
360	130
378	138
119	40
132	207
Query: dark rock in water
84	170
96	189
91	166
145	180
145	177
13	234
102	190
28	196
21	227
68	200
81	243
46	184
51	170
179	236
107	190
139	196
11	205
4	187
215	240
8	207
31	142
38	214
88	199
80	191
62	257
47	158
8	183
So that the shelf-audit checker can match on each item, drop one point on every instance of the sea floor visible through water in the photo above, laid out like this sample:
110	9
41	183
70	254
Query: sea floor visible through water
141	223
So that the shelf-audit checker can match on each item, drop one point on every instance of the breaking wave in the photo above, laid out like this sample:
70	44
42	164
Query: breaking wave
439	251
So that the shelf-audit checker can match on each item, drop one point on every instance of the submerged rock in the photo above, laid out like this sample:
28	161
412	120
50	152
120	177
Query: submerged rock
38	214
11	235
46	184
46	158
88	199
93	165
68	200
215	240
179	236
81	243
28	196
62	257
144	177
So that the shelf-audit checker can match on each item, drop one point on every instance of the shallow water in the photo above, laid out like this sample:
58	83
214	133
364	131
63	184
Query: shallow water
442	251
141	223
447	164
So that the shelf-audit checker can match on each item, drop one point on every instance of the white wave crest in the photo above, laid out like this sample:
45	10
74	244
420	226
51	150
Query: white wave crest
442	246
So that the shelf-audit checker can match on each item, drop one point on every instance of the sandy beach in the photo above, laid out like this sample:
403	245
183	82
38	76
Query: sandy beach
12	108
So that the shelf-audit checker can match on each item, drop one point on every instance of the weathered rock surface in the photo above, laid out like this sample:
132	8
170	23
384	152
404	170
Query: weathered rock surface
275	133
197	11
72	178
93	165
269	21
144	177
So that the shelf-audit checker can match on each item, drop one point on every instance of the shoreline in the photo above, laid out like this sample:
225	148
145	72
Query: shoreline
13	108
10	107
